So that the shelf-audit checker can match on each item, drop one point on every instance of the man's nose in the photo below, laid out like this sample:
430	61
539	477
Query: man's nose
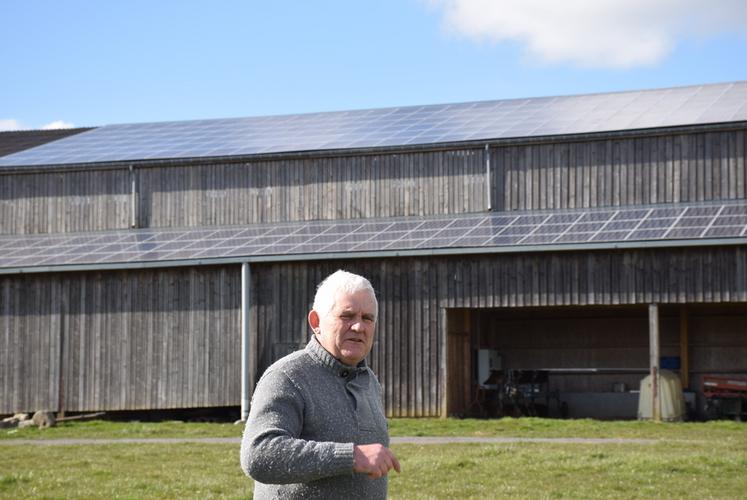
357	325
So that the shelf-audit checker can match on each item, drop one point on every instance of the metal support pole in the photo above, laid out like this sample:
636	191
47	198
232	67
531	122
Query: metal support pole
488	186
653	338
246	389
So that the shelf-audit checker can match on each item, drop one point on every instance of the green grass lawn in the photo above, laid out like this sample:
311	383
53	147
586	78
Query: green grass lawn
104	429
509	427
691	460
554	428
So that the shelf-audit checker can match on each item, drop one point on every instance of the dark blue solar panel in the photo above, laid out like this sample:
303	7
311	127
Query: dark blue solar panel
724	231
519	230
623	224
586	227
693	222
730	220
553	229
395	126
596	216
647	234
653	223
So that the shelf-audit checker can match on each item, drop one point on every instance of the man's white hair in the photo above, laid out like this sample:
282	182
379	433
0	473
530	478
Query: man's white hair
340	281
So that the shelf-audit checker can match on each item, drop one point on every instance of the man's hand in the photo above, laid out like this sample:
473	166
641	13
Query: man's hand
374	459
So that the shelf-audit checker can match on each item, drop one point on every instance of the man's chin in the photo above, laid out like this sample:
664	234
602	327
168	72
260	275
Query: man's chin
353	356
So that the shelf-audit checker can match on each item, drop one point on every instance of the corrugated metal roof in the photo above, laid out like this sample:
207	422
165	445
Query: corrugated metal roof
402	126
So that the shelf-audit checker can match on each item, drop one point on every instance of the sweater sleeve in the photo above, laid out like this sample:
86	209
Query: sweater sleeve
271	450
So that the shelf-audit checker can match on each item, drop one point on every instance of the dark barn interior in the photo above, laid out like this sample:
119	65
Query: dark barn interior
586	360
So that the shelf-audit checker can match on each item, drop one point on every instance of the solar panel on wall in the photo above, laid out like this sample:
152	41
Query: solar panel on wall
515	231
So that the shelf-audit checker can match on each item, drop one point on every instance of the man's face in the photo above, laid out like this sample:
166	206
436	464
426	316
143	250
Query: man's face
347	331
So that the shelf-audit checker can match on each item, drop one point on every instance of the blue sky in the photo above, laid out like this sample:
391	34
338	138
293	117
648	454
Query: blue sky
89	63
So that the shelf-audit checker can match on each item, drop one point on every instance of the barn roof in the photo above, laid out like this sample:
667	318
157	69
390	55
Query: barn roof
20	140
661	225
396	127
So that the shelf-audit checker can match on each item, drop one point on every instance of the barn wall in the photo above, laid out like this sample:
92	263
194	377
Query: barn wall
381	185
170	338
408	351
605	172
58	202
124	340
622	171
29	343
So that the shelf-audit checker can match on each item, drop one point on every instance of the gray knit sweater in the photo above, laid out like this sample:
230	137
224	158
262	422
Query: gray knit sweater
307	412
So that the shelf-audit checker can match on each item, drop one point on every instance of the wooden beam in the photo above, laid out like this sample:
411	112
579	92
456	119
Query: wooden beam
467	351
653	336
457	362
684	349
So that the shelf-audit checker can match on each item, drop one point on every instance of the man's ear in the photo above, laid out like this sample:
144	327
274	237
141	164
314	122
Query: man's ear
314	320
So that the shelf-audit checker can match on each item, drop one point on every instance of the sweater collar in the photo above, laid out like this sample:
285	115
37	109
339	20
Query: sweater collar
324	358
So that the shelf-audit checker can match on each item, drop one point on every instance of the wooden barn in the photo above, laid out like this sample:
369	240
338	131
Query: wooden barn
583	239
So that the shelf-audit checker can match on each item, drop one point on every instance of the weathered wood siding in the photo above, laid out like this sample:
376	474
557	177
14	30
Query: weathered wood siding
64	201
315	188
170	338
604	172
407	354
29	343
244	193
407	349
621	171
128	340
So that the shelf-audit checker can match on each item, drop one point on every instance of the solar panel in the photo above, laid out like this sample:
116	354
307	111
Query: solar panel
414	125
295	240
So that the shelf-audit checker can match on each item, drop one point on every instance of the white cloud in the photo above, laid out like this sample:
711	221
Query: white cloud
7	124
57	124
593	33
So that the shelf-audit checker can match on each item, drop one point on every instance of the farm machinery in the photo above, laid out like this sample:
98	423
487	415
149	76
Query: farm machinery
726	396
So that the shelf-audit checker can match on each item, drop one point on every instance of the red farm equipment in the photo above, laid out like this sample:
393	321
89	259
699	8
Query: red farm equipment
726	396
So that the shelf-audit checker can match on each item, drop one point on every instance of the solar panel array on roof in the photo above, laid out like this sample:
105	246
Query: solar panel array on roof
517	230
414	125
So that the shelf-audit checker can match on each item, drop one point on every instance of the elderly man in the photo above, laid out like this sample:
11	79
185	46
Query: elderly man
316	427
